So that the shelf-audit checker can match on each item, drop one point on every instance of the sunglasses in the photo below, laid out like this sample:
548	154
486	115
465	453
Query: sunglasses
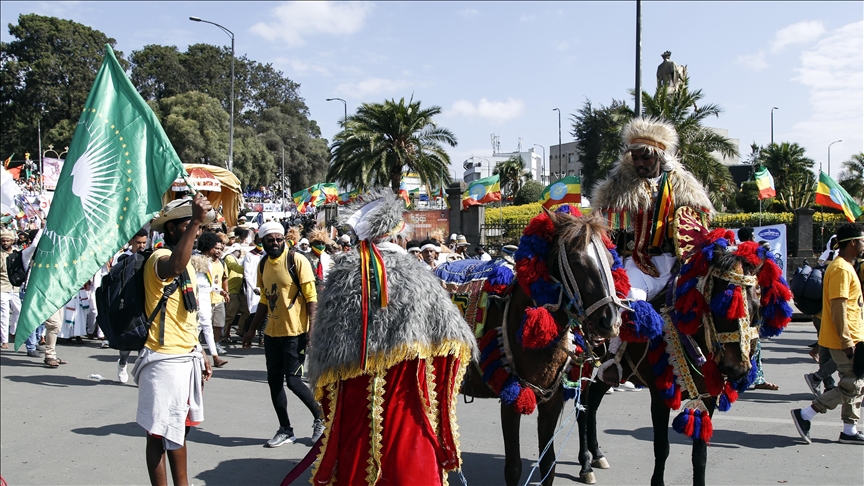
274	240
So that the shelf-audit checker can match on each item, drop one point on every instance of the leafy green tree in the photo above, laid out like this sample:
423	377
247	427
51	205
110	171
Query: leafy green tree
512	174
157	72
46	73
794	180
748	198
254	163
384	140
598	137
852	177
197	126
529	193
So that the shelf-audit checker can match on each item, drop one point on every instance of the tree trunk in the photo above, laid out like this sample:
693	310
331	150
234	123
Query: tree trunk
395	181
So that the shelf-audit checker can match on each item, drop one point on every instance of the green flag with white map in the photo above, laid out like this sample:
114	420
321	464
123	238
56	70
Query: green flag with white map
119	165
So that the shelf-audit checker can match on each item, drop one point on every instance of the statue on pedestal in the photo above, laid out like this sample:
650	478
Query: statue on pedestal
670	74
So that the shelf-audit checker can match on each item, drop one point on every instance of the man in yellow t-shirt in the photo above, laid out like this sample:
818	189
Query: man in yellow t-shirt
171	369
288	298
842	328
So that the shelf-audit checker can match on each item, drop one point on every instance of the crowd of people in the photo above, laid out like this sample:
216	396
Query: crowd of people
264	285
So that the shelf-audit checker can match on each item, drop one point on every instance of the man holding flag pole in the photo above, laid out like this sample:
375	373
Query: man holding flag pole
119	165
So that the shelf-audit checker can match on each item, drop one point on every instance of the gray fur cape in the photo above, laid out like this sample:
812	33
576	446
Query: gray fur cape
420	321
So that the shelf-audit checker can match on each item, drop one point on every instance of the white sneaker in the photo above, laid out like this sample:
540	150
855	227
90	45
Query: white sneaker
627	386
122	375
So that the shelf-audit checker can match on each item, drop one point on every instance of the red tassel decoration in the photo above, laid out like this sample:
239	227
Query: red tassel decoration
528	271
622	282
691	422
713	379
497	380
494	356
539	328
731	393
736	307
748	250
674	403
541	226
526	402
707	428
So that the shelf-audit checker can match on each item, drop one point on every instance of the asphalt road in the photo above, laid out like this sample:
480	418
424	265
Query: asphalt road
58	426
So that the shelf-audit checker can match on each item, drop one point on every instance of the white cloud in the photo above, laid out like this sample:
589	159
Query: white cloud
300	66
800	33
527	18
832	71
374	87
497	111
756	62
293	22
469	13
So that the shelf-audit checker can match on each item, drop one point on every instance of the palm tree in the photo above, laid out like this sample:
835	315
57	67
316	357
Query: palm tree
852	178
382	141
697	144
513	174
794	181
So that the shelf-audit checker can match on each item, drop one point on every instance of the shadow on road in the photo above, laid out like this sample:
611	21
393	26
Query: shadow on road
720	439
54	380
250	471
196	435
227	373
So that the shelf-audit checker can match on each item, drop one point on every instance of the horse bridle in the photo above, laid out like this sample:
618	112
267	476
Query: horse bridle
746	333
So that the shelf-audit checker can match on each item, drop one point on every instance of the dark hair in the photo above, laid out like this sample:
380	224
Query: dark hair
412	244
428	241
241	233
745	234
140	233
207	241
846	232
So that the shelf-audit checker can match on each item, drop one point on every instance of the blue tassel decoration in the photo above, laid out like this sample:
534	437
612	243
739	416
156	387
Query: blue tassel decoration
722	301
502	275
723	403
569	393
544	292
493	367
648	322
510	391
530	246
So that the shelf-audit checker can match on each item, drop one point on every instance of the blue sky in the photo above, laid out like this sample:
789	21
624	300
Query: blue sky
501	67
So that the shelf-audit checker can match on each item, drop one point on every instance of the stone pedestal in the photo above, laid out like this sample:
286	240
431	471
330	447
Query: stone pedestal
466	222
802	239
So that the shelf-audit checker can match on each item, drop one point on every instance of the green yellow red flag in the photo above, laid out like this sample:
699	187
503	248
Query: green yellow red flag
482	191
564	191
832	195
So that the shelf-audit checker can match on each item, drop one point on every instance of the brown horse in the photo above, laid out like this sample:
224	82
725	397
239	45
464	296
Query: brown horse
578	267
726	342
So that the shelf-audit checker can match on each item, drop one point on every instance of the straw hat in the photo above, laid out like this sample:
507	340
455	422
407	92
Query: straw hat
461	241
177	209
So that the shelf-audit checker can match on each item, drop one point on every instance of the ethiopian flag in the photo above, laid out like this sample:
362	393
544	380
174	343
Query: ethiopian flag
566	190
482	191
765	184
832	195
119	165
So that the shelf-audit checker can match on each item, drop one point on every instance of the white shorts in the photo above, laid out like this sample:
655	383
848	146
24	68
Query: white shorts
646	287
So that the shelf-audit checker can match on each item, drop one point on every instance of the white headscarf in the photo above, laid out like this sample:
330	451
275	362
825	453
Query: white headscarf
269	228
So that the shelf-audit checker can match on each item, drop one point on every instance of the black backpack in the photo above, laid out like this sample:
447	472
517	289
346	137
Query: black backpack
120	302
15	269
806	287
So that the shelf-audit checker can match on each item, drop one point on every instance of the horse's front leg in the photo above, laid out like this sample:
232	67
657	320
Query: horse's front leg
547	418
510	420
586	474
660	422
700	451
595	395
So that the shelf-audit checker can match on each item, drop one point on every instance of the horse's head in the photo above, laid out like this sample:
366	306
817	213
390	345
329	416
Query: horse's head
733	292
579	260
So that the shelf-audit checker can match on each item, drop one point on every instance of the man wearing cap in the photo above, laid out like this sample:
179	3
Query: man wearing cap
10	301
842	329
170	371
288	297
649	175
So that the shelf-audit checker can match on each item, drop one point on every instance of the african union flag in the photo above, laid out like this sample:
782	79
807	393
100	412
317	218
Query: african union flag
482	191
832	195
119	165
564	191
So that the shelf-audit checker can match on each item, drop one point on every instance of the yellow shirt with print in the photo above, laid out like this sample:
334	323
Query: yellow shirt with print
217	270
278	290
840	281
235	274
181	327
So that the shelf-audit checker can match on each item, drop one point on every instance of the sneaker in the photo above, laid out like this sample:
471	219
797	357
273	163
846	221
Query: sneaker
40	347
628	386
852	439
122	375
814	383
281	437
220	350
34	354
610	391
803	426
105	344
317	430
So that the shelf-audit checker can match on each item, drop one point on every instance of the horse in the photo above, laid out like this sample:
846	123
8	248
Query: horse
722	299
565	291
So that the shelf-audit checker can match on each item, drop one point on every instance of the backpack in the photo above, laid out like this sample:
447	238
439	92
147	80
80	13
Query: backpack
120	302
292	271
15	269
806	287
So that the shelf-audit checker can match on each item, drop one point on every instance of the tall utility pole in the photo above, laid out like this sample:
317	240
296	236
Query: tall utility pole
559	137
231	120
344	106
772	124
829	155
638	58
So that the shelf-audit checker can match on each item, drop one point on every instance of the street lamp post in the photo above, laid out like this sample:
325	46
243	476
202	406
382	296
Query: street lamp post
638	109
772	124
543	168
829	155
344	105
559	138
231	121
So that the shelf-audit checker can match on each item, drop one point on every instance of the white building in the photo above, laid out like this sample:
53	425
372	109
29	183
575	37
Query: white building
480	166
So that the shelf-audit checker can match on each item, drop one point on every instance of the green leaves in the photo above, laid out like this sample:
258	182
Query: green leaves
382	141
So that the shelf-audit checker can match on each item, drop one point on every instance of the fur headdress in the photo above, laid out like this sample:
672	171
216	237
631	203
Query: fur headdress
293	235
375	215
319	236
623	189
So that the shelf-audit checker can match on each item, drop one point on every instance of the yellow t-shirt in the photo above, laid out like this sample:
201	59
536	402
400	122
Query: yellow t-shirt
235	274
278	290
217	270
181	327
840	281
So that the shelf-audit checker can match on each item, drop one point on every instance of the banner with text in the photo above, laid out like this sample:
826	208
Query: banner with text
775	236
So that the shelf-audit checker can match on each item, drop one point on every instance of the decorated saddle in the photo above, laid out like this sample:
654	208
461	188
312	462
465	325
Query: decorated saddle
471	282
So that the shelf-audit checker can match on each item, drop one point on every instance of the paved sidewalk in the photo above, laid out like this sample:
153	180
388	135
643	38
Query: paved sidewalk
57	426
